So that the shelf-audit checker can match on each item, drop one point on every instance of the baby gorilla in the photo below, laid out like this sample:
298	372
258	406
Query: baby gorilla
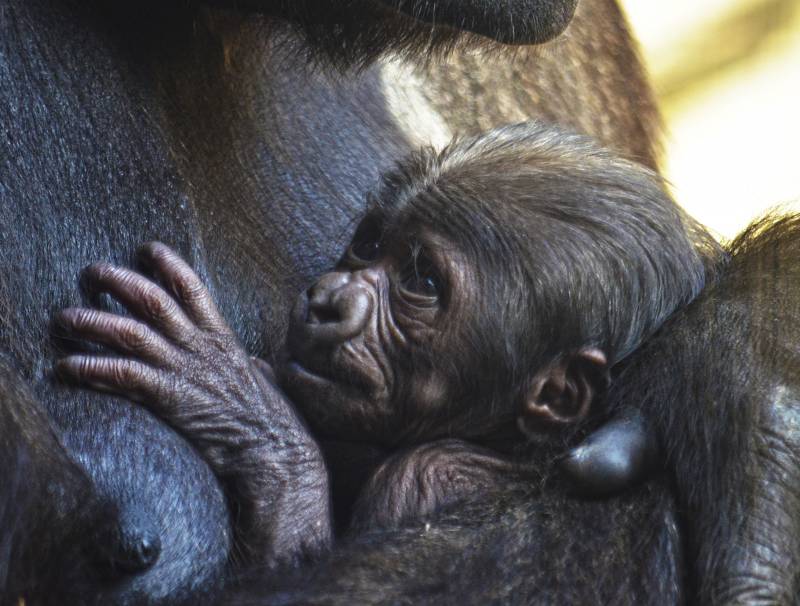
469	329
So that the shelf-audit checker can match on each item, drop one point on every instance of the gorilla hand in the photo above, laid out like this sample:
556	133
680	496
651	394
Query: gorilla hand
184	363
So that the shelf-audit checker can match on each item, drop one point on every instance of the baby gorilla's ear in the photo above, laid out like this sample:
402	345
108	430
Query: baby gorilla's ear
562	393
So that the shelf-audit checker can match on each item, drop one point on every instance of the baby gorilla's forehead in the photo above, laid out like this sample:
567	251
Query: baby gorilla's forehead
449	229
416	237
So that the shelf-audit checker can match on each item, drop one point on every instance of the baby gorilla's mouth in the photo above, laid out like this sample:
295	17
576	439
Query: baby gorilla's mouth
321	374
314	358
292	367
332	353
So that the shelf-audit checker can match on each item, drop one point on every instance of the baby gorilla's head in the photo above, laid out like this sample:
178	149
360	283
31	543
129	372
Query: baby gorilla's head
504	274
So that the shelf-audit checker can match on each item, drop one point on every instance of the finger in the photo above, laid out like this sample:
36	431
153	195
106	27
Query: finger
135	380
143	298
124	335
181	280
619	455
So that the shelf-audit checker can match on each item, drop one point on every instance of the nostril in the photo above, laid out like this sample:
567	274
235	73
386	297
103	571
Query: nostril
323	314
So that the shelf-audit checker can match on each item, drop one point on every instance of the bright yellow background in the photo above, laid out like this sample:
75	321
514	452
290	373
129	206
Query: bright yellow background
727	73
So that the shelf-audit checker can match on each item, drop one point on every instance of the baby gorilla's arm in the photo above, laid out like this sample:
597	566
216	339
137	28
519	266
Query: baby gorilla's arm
182	361
415	483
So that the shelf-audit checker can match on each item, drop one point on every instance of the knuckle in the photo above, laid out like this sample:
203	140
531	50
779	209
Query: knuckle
188	287
154	304
136	337
122	372
160	252
86	318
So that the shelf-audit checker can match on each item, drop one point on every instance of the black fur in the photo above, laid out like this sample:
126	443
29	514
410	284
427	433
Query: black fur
495	262
520	545
571	247
124	122
721	384
517	22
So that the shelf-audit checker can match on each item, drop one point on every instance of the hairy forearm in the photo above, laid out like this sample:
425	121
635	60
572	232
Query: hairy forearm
283	513
274	474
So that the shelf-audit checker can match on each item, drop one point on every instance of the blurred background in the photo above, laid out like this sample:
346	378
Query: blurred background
727	73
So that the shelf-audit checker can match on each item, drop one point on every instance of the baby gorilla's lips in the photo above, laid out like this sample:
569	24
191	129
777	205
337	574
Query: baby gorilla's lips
323	374
307	366
308	359
319	372
294	370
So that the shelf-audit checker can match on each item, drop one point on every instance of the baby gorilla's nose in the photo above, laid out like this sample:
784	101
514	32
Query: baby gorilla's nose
322	314
339	307
321	309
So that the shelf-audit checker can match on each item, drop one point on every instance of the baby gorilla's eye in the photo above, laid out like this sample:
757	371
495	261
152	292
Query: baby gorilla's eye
366	251
366	245
419	277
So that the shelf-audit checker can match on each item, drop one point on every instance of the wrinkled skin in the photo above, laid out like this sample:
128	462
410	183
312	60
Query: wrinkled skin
219	402
183	361
729	431
239	421
175	379
365	374
247	144
124	123
382	349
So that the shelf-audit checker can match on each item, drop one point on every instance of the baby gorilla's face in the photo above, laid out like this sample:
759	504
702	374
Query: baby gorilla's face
366	340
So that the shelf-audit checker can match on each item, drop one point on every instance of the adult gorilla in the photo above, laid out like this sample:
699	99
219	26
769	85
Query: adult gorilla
246	140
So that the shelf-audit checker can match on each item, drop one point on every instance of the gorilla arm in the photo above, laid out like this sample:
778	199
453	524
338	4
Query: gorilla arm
185	364
718	387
